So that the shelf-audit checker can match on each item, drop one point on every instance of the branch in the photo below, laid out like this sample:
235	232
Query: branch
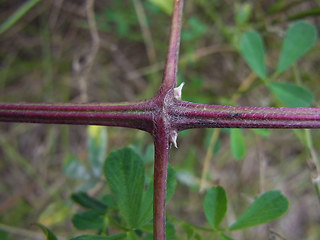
132	115
146	33
186	115
85	69
163	132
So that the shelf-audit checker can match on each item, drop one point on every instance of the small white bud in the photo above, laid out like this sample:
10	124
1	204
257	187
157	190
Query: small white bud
173	138
178	91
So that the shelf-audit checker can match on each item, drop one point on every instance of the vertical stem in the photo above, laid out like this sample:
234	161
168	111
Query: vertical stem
170	73
162	124
161	142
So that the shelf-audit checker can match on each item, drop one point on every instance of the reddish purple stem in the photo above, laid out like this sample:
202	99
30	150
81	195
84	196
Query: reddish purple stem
188	115
133	115
179	115
162	116
171	67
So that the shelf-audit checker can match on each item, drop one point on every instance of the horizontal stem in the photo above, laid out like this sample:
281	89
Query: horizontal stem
132	115
186	115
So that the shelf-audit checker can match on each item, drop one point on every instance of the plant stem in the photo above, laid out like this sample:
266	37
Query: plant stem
163	131
187	115
170	72
133	115
160	184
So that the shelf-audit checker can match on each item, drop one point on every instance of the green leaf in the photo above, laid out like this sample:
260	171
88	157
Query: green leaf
190	231
267	207
165	5
147	199
291	94
170	231
146	206
95	237
215	206
171	182
108	200
132	235
97	147
86	201
46	231
252	49
125	173
19	13
300	37
90	219
238	147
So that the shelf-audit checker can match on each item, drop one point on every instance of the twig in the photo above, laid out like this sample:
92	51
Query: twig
146	33
93	52
244	86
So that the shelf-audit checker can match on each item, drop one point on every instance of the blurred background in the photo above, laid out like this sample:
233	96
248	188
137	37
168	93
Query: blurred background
50	55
